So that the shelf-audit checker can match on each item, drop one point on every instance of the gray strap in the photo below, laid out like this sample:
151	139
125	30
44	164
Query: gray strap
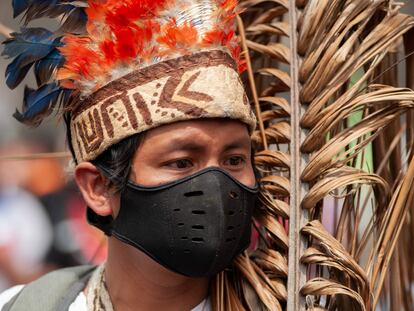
52	292
73	292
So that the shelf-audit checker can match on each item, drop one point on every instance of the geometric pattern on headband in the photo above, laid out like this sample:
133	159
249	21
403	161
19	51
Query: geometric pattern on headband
200	85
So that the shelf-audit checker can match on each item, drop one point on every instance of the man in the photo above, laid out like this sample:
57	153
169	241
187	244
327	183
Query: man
159	126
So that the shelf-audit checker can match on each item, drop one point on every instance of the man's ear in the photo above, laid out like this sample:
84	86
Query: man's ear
94	188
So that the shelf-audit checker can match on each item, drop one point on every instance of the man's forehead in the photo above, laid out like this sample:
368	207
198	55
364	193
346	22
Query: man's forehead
192	143
218	126
199	134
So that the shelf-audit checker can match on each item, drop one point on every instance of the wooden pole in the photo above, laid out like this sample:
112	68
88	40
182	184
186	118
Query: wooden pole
297	215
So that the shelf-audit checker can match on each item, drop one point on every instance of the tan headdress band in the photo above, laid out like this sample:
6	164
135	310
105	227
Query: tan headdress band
200	85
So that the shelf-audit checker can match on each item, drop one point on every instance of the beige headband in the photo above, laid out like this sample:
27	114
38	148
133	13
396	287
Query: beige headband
202	85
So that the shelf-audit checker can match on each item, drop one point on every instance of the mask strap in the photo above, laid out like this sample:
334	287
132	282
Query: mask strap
104	223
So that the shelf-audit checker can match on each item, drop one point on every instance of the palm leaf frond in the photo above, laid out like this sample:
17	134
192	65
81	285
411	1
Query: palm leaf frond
335	149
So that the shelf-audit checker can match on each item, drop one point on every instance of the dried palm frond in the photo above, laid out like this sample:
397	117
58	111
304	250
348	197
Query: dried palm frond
335	150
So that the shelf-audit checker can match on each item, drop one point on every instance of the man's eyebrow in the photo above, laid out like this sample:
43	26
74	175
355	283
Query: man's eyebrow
237	144
179	144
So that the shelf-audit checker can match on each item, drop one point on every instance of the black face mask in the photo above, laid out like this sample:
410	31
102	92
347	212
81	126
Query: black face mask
195	226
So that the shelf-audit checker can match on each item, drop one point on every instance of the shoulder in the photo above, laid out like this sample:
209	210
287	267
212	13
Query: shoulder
58	288
8	294
79	304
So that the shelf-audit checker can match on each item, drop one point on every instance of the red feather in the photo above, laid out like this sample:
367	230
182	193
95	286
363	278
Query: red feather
184	36
228	5
108	48
129	32
78	55
128	43
213	37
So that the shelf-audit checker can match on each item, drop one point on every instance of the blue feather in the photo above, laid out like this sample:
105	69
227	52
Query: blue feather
51	8
40	103
28	47
47	66
39	47
75	21
19	6
16	72
26	40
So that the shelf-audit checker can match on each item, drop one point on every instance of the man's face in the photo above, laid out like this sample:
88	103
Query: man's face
180	149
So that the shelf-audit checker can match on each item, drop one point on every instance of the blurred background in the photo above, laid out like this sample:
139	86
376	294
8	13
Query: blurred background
42	215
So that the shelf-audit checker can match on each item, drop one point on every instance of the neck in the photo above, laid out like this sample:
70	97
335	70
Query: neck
136	282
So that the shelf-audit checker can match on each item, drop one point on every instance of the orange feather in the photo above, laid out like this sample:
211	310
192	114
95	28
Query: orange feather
129	32
184	36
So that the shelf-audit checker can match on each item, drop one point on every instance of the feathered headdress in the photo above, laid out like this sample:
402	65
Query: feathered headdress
123	67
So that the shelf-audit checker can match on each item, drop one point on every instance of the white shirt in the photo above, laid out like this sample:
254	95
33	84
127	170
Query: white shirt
79	304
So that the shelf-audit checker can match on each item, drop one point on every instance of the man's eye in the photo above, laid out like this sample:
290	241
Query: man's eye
182	163
235	161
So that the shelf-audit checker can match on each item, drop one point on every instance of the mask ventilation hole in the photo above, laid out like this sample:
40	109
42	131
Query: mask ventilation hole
198	212
193	194
230	228
184	238
180	224
231	213
177	209
233	195
230	240
198	227
197	240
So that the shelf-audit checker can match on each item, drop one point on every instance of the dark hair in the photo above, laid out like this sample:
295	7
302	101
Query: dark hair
115	163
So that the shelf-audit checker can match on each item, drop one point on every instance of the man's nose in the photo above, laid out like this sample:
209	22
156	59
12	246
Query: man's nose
213	162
